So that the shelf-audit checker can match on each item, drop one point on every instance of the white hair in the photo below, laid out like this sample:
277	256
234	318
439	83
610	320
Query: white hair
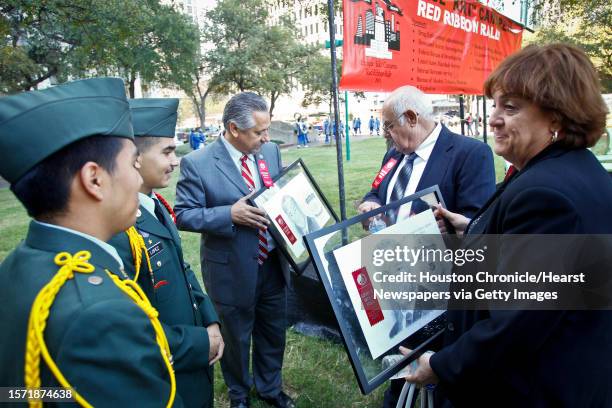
409	98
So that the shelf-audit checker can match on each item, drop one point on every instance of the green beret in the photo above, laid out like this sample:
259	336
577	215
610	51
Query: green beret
36	124
154	116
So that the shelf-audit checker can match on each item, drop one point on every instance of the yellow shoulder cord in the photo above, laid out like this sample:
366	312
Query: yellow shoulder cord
138	246
131	288
35	342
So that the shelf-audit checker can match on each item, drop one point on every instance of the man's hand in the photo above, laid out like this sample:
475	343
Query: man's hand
423	375
458	221
216	344
364	208
245	214
367	206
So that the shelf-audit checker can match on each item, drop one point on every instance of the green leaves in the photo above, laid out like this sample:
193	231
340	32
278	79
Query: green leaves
79	38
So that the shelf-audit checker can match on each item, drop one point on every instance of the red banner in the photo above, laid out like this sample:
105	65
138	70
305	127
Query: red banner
438	46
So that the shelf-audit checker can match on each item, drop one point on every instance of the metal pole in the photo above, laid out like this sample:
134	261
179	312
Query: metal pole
347	127
462	114
332	49
484	119
476	123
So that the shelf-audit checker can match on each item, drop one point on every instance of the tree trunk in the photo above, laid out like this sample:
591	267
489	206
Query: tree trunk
33	83
273	98
196	105
202	113
199	102
132	84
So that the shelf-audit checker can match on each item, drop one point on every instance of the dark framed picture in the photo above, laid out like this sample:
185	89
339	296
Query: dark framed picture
296	207
372	337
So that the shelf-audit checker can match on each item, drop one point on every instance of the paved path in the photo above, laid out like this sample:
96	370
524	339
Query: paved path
3	183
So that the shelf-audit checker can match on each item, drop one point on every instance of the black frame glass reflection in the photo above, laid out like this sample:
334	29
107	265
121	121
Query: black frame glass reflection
295	206
370	372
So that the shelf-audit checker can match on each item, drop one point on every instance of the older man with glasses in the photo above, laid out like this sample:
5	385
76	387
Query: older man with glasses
426	153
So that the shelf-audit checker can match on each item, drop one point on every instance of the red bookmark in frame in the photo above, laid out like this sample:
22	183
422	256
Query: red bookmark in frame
366	293
262	166
285	228
384	170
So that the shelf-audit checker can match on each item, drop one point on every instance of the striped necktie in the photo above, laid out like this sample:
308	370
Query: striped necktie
248	179
401	184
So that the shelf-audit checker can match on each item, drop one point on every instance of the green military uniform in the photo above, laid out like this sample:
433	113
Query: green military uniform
103	343
184	309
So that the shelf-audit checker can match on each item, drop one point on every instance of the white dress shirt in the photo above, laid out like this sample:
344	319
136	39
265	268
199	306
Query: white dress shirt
423	153
236	156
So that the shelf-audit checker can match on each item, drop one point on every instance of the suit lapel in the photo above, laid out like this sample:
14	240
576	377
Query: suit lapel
438	161
385	183
270	162
227	167
148	223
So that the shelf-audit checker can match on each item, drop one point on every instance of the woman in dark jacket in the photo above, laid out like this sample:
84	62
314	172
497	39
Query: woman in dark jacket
548	110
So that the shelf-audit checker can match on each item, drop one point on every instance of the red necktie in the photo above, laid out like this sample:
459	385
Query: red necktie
511	170
248	178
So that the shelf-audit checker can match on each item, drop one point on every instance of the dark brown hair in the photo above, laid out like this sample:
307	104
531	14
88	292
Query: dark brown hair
560	79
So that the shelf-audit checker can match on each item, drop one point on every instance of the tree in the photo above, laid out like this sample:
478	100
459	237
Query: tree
40	41
234	32
586	24
251	54
75	38
317	81
146	40
285	59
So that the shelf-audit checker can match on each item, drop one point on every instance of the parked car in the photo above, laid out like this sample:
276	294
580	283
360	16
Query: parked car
182	134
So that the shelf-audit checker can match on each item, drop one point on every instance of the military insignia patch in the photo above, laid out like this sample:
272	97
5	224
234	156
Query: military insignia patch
155	249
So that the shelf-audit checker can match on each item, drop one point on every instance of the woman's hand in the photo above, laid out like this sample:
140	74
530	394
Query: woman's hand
458	221
423	375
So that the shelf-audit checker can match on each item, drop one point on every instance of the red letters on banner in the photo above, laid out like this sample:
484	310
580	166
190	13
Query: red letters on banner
366	292
438	46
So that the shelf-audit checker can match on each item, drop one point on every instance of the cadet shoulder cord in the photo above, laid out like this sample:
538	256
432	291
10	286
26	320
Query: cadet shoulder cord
138	246
35	343
165	203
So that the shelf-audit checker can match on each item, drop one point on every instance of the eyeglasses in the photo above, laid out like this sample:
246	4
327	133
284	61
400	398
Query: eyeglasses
388	126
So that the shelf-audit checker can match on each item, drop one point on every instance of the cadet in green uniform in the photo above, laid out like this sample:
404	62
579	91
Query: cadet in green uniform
69	316
187	314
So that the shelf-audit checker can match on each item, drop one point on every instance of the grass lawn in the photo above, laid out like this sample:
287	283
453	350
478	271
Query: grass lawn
316	372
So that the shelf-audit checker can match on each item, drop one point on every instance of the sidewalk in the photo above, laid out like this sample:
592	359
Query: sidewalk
320	141
3	183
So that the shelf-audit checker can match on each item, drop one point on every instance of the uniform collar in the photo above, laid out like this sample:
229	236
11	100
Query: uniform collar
147	203
55	238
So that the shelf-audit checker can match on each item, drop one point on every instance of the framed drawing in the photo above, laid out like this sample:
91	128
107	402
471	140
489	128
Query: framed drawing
296	207
373	328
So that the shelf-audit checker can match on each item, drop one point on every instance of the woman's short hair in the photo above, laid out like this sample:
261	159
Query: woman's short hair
560	79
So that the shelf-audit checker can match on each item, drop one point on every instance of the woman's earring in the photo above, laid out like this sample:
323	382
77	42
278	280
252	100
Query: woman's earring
555	136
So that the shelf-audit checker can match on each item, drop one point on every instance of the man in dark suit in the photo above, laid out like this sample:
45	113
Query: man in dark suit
426	153
186	312
241	268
